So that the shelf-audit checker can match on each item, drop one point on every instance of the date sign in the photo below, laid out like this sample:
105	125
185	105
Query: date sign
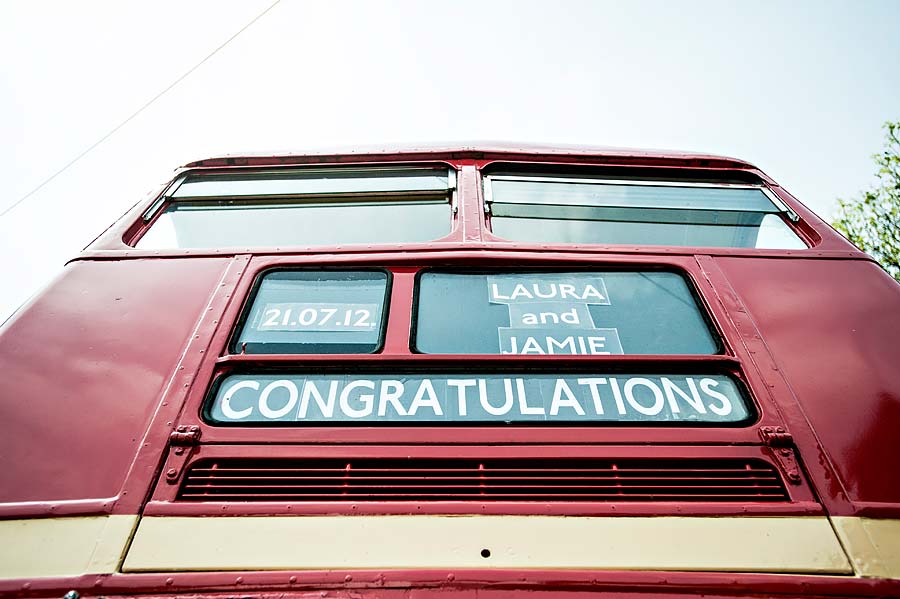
293	316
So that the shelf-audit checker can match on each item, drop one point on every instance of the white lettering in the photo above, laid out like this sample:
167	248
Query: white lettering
726	407
592	383
461	386
597	344
366	399
591	291
657	406
693	399
531	347
567	342
558	402
570	317
391	392
227	410
565	290
617	395
326	407
426	388
524	408
482	392
520	290
495	293
550	293
266	410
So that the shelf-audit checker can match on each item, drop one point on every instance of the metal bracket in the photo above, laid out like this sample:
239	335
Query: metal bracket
780	444
183	441
185	436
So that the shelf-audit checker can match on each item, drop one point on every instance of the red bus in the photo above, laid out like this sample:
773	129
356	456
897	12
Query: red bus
456	372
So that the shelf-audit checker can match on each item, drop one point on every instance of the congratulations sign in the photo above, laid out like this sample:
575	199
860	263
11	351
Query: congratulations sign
466	399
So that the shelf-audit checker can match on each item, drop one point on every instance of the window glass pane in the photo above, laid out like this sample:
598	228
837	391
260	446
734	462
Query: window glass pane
607	212
307	182
464	398
258	224
770	232
637	196
315	312
595	313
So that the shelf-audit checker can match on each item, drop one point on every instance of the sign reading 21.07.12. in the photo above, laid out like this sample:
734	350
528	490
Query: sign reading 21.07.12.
550	314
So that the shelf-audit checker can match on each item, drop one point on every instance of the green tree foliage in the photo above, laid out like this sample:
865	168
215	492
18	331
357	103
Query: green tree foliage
873	221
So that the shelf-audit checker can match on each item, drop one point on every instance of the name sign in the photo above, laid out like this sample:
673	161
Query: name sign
460	399
549	314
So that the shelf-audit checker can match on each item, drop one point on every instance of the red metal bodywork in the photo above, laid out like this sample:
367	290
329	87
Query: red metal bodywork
120	350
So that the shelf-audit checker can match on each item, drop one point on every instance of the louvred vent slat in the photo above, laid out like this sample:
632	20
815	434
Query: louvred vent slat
487	480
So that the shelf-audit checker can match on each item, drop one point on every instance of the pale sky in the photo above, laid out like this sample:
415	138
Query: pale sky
798	88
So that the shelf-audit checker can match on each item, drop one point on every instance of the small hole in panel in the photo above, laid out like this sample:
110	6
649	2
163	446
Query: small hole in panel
485	553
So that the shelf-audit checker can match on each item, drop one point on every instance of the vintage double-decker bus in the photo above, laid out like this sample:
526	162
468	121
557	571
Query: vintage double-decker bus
456	372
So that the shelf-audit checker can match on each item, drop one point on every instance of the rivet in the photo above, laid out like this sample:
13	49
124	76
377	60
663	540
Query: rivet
348	578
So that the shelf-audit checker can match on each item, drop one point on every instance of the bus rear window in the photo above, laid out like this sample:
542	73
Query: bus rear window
314	312
530	313
598	211
306	207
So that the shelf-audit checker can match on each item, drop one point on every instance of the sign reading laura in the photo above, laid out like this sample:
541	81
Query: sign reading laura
549	314
533	288
463	399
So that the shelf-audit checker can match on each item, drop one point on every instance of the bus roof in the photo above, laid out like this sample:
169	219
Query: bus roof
478	150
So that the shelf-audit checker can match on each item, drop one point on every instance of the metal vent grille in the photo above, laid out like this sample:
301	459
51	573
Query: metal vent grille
488	480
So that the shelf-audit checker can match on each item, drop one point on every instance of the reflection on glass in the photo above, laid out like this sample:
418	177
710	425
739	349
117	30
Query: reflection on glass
770	233
637	196
595	313
315	312
604	212
257	224
312	182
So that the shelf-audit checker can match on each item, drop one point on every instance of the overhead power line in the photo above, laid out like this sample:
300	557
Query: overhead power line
137	112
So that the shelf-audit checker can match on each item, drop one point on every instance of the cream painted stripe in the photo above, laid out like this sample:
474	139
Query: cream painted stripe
736	544
872	544
63	546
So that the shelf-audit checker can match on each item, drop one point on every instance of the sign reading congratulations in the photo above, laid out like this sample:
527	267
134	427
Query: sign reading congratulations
467	399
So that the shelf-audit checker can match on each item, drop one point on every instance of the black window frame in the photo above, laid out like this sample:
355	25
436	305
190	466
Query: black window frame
785	213
234	345
703	310
695	369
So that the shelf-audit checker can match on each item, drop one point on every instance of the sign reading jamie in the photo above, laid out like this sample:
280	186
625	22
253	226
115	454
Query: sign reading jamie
464	399
548	314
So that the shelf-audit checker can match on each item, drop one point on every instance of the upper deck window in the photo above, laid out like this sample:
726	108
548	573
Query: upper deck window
303	207
611	211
